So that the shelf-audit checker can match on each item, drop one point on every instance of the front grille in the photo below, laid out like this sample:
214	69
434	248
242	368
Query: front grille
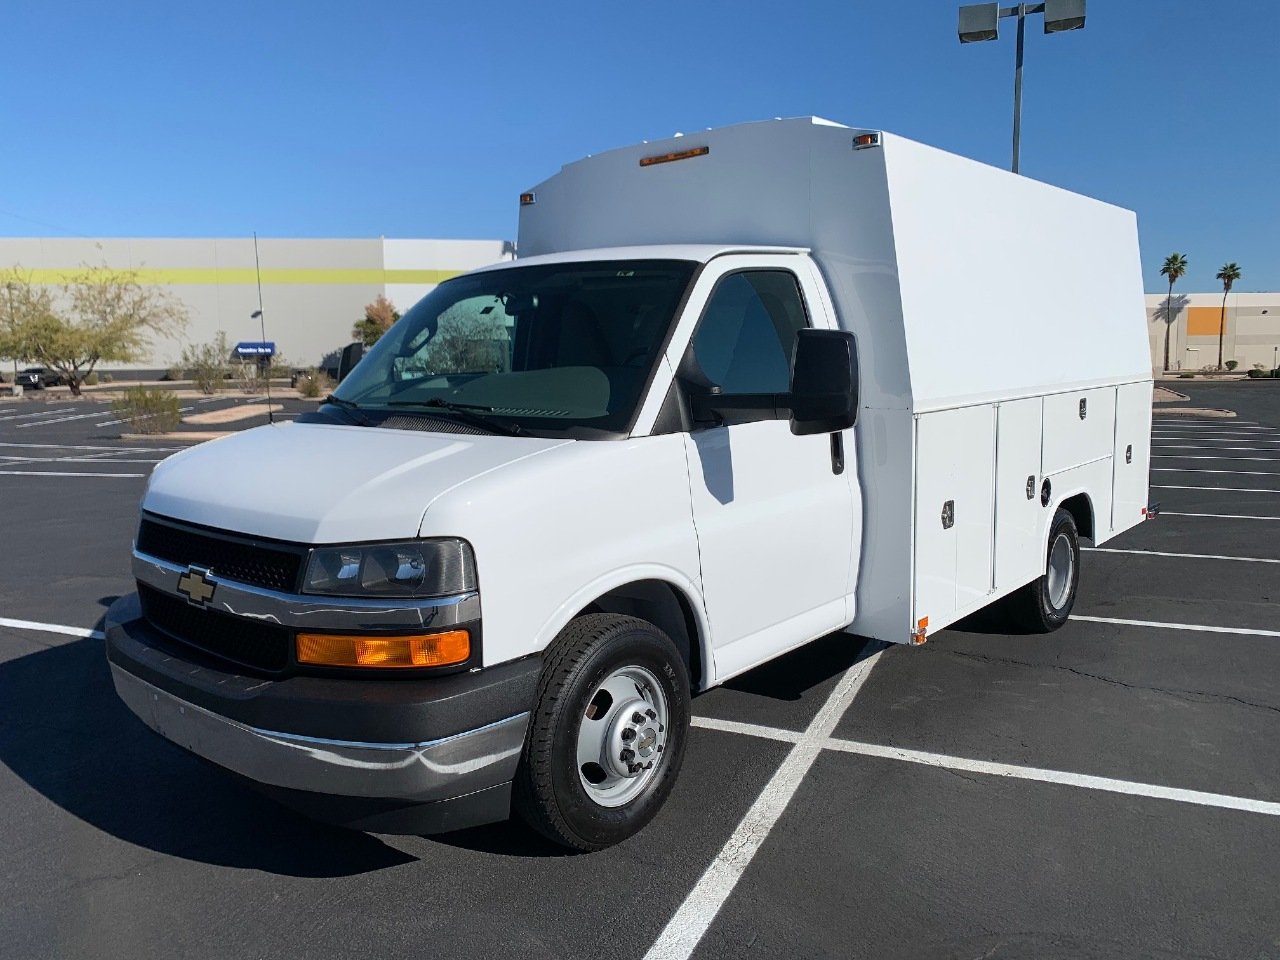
250	643
262	564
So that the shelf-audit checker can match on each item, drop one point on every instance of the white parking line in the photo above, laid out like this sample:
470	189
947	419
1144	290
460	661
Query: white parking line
116	423
51	628
85	416
73	446
1085	781
1215	449
1171	486
1180	556
1195	627
992	768
686	928
1215	438
1216	516
1201	456
52	473
50	412
1234	473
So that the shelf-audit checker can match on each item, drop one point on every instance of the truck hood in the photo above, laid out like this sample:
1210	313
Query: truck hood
322	483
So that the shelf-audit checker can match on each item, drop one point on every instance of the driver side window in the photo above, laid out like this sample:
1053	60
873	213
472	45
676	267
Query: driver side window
744	340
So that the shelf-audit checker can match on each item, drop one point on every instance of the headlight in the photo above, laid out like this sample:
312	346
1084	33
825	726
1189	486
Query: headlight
416	568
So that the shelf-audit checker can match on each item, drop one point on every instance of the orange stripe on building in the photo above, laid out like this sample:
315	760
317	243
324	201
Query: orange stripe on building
1203	321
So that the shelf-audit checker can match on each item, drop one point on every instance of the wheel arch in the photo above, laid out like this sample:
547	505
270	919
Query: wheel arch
657	595
1080	506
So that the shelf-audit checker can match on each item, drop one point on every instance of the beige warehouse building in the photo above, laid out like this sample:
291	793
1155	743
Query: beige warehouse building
313	291
1251	334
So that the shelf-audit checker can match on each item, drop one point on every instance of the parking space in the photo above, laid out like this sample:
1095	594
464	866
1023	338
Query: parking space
1112	789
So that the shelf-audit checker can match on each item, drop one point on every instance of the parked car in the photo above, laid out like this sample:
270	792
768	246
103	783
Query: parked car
37	378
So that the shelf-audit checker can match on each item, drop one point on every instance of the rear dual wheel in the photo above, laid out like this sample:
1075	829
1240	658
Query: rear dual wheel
607	732
1044	604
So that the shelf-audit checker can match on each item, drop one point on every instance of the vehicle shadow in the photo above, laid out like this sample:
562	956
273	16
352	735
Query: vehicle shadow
790	676
66	734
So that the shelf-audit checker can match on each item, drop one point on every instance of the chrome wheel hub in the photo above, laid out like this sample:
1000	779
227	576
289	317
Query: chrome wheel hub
622	735
1062	566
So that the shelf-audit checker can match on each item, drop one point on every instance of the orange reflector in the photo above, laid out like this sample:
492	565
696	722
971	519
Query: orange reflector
527	199
430	650
669	157
921	632
866	140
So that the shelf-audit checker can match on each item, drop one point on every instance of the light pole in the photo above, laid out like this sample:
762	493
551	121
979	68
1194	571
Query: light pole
980	21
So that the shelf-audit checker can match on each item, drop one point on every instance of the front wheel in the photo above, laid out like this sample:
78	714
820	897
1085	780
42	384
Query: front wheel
1044	604
607	732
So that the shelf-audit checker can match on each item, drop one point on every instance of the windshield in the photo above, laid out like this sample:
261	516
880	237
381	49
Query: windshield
540	347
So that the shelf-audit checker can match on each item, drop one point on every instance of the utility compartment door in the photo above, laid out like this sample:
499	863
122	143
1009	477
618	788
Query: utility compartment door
955	467
1071	439
1132	455
1020	555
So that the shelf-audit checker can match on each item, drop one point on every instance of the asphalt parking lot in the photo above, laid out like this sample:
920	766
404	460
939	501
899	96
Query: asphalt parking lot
1110	790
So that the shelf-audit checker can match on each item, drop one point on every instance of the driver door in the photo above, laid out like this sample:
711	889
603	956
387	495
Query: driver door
774	512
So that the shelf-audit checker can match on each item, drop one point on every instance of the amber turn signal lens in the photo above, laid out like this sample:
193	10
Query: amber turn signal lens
423	650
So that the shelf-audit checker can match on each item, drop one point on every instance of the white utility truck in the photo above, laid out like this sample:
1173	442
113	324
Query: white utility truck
742	389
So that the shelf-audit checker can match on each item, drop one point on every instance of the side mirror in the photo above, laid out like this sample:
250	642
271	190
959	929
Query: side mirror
824	382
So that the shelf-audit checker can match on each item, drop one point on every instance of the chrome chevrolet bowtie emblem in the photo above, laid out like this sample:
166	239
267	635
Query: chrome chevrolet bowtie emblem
197	588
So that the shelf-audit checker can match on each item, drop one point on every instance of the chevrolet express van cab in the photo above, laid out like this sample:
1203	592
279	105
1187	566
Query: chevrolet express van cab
741	390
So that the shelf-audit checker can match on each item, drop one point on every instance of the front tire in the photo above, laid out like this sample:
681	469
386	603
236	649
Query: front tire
1044	604
607	732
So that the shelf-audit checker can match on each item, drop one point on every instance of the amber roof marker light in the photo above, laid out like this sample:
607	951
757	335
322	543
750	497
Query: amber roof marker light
980	21
672	157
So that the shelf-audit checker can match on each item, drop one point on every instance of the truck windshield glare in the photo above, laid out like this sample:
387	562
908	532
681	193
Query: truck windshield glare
542	347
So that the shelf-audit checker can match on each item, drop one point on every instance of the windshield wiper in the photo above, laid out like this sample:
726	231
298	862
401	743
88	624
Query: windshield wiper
472	413
353	408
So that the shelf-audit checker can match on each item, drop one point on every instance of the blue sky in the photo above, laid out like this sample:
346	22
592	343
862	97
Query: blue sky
423	119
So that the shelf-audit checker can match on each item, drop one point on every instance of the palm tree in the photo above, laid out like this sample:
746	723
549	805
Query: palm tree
1228	274
1175	265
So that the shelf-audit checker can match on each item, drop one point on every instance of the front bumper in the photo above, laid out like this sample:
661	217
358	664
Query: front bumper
379	754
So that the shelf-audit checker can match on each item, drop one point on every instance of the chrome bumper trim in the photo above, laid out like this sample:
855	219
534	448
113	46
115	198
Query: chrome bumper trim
302	610
434	770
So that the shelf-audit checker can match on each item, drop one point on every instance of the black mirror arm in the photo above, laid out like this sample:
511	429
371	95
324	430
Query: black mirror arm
712	407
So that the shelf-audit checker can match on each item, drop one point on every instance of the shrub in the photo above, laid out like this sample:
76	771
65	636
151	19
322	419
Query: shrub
146	410
205	363
172	374
107	378
314	384
91	380
1232	364
1255	373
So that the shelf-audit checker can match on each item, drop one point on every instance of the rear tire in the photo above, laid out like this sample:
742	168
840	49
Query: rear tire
606	734
1044	604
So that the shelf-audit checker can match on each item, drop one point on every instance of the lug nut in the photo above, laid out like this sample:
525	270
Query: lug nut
659	748
633	768
650	714
661	728
649	765
628	735
637	717
627	755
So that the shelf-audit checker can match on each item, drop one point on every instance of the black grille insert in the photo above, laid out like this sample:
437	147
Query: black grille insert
250	643
256	562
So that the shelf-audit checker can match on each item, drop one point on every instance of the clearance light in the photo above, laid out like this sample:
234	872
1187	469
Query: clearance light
866	140
670	157
528	199
429	650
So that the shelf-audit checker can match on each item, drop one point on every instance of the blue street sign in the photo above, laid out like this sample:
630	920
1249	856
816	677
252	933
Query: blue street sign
256	348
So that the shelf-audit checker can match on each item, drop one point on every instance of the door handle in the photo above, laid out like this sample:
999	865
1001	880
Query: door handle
837	453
